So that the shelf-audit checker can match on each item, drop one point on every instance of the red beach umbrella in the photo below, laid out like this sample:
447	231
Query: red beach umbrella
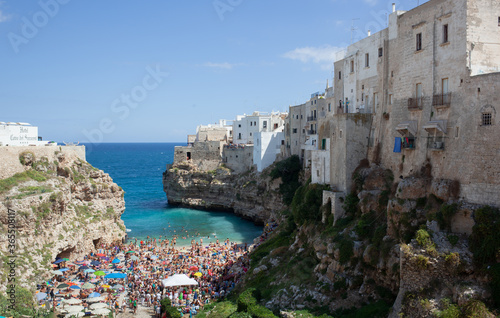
193	268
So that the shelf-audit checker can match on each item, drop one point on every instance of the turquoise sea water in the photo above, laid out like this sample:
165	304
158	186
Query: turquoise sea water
138	169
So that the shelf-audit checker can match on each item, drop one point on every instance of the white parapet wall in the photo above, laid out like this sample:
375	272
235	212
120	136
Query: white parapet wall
10	163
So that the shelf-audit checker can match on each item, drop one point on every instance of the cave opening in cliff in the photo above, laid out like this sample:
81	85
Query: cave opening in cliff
188	156
97	243
66	253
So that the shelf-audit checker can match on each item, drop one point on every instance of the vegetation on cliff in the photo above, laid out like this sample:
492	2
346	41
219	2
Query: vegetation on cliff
61	206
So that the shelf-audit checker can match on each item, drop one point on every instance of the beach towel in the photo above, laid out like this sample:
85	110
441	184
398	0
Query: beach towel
397	144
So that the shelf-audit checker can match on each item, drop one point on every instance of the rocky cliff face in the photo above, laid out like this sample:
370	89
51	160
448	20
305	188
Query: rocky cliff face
60	206
251	195
402	248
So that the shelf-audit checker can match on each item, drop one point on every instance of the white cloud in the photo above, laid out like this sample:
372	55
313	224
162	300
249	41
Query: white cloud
225	65
324	55
4	17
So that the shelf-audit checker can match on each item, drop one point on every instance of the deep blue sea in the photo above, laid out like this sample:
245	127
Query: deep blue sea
138	169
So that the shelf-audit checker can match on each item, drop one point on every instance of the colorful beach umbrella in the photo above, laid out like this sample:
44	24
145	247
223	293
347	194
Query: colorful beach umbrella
99	273
61	286
100	254
75	287
105	286
198	274
72	301
64	269
58	261
130	252
116	261
94	295
193	268
117	286
95	263
116	275
89	270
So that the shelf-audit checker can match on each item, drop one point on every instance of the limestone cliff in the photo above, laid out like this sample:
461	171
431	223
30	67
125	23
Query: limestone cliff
60	206
402	247
251	195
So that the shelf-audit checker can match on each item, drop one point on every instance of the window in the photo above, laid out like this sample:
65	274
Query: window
498	21
251	123
340	75
255	123
303	131
419	41
380	52
264	124
367	60
329	107
239	125
295	130
250	134
275	126
297	116
390	99
315	102
487	119
311	102
445	33
340	134
456	132
352	66
239	136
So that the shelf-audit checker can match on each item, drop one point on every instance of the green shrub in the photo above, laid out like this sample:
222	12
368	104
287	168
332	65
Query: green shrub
453	239
475	309
485	238
246	299
445	214
452	259
237	314
350	205
424	239
365	227
422	262
165	302
288	170
450	310
346	251
307	202
258	311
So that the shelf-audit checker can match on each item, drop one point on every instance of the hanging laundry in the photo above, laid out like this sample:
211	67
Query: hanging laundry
397	144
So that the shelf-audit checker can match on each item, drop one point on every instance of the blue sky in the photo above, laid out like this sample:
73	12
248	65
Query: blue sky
151	71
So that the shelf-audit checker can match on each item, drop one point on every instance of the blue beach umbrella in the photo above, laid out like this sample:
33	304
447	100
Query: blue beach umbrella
116	261
94	294
64	269
83	267
95	263
58	261
75	287
89	270
116	275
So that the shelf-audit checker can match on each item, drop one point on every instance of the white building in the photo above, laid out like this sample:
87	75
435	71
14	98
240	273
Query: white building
266	147
246	126
20	134
223	131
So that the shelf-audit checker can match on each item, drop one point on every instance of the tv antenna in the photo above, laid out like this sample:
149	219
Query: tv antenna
353	29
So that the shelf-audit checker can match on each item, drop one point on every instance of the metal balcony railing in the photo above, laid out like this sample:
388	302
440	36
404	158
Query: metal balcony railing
443	100
415	103
311	118
311	132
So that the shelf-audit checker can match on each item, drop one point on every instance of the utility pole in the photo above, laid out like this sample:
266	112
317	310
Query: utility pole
353	29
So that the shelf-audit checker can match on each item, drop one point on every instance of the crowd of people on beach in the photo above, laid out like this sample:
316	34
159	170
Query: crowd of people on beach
145	264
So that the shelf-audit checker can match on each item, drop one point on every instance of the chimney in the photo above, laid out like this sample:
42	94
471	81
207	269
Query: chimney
369	32
393	7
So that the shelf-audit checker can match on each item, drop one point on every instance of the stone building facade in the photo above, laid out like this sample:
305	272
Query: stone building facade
430	81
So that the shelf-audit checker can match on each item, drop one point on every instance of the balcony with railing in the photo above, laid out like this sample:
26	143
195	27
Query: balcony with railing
311	118
415	103
441	100
311	132
408	143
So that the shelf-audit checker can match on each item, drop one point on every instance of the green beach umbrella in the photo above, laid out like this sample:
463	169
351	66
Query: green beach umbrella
88	286
130	252
99	273
62	286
